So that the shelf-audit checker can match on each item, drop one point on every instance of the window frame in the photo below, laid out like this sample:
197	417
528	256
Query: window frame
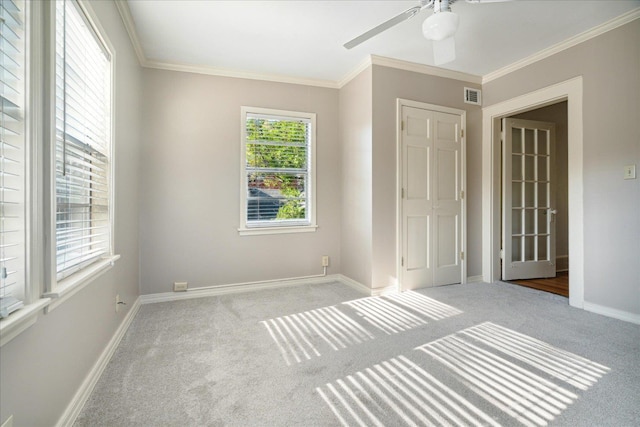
34	302
41	290
61	289
277	227
15	169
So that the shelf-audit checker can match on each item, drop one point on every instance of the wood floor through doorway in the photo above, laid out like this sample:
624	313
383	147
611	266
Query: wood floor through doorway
557	285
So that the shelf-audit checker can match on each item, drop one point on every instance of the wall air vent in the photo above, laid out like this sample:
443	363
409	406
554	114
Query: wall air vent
472	96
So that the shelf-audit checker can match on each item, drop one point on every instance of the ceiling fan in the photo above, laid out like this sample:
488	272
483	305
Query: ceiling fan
439	27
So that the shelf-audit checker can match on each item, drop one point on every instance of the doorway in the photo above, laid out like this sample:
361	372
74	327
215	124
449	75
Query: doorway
431	195
571	91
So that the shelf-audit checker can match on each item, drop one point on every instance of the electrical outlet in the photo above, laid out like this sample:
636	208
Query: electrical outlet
180	286
325	261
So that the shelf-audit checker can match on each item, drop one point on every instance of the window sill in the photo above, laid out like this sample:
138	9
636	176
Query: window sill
20	320
277	230
69	286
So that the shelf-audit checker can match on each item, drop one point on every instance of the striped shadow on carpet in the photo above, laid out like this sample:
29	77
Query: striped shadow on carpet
309	334
494	376
403	391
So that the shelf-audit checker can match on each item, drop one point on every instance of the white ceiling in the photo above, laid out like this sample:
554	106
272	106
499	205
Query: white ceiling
303	39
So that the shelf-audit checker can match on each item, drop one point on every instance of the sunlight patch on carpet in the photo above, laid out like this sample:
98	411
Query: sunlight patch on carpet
528	379
401	312
575	370
304	335
399	392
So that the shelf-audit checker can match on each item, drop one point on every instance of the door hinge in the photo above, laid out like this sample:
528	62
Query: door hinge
462	194
402	261
462	256
402	125
402	193
462	133
501	253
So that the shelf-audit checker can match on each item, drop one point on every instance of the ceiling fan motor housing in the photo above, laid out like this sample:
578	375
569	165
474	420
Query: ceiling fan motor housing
441	25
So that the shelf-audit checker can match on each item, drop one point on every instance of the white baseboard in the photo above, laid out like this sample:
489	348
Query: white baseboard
388	289
354	284
391	289
79	399
612	312
236	288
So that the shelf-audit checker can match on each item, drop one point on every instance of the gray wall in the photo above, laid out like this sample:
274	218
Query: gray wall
356	151
609	67
187	200
557	113
388	85
368	138
190	186
42	368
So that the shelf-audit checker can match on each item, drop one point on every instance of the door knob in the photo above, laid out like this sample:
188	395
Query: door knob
553	211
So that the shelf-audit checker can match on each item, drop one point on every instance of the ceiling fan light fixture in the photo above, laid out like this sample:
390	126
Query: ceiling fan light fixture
444	51
439	26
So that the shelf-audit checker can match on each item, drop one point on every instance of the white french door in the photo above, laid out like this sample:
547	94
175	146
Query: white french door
528	212
431	198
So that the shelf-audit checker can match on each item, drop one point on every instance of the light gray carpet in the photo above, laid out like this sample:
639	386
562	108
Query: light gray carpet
321	355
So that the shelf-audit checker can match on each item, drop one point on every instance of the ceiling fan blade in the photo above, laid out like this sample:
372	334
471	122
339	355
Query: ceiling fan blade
444	51
407	14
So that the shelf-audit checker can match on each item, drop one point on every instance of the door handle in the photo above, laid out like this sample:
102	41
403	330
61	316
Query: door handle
553	211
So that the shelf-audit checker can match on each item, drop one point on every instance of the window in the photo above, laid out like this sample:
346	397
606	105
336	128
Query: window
55	156
278	176
12	156
83	226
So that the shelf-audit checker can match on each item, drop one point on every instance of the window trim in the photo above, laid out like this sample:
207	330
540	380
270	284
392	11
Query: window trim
277	227
25	317
70	285
42	292
24	295
61	289
21	320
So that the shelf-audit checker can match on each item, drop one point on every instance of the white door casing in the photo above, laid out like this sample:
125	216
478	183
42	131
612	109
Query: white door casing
572	91
528	200
431	229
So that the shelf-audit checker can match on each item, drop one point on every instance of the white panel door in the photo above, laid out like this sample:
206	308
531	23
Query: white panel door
447	205
431	204
528	212
417	149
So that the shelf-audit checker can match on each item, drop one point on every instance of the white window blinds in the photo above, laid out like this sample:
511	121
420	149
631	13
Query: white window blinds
12	155
83	142
277	154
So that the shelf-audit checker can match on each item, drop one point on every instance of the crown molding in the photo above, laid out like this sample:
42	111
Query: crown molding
129	24
564	45
355	72
225	72
408	66
425	69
